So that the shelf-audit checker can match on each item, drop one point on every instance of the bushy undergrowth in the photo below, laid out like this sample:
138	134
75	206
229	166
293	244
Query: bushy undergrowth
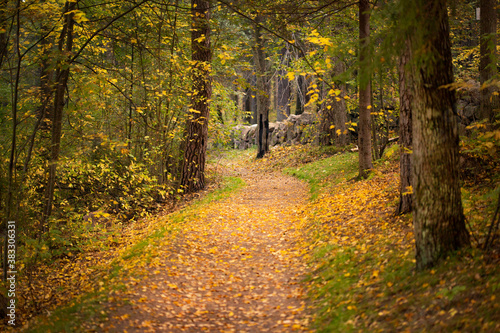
363	275
91	193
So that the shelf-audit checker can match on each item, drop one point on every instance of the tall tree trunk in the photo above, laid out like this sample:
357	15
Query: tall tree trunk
13	144
193	169
340	108
488	58
405	130
65	46
250	101
301	95
283	89
46	82
333	113
263	98
364	141
384	135
438	214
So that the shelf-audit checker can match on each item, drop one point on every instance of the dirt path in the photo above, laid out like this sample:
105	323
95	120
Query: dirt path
234	269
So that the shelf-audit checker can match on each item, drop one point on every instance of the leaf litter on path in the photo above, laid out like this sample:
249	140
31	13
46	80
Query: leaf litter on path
236	267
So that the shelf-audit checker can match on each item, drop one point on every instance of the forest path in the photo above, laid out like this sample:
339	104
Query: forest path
234	268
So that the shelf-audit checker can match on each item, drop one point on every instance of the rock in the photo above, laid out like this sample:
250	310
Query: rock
290	131
468	102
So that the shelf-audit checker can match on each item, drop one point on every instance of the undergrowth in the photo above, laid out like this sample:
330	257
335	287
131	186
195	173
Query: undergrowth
62	295
363	275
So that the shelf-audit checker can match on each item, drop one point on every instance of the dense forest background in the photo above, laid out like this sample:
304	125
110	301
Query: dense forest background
97	98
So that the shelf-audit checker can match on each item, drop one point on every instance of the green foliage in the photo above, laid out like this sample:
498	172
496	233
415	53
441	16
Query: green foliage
123	189
224	116
482	142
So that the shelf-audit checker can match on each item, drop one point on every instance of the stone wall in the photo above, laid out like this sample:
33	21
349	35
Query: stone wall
290	131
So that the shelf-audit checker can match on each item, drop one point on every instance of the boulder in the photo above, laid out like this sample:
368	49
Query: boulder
289	131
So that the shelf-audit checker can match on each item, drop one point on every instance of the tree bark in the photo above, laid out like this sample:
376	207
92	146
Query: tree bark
334	114
283	89
13	144
65	46
488	58
405	130
364	140
438	214
301	95
196	136
263	87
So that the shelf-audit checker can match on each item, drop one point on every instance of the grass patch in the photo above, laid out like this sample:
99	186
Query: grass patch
327	171
363	275
79	316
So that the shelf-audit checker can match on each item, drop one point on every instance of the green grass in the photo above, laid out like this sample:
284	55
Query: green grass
79	316
324	172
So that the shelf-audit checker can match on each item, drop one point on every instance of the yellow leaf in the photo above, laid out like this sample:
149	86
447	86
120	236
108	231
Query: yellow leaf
409	190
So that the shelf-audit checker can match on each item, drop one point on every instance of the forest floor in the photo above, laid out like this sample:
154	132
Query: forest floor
268	252
235	268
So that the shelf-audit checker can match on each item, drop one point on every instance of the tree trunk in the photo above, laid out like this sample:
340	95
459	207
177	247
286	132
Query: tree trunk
340	108
283	89
405	131
263	87
334	114
46	82
438	214
301	95
488	58
65	46
193	169
13	143
364	141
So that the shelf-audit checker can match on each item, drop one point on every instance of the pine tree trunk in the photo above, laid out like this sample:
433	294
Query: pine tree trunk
364	137
196	135
334	114
65	46
405	131
263	98
438	215
283	89
488	58
301	95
